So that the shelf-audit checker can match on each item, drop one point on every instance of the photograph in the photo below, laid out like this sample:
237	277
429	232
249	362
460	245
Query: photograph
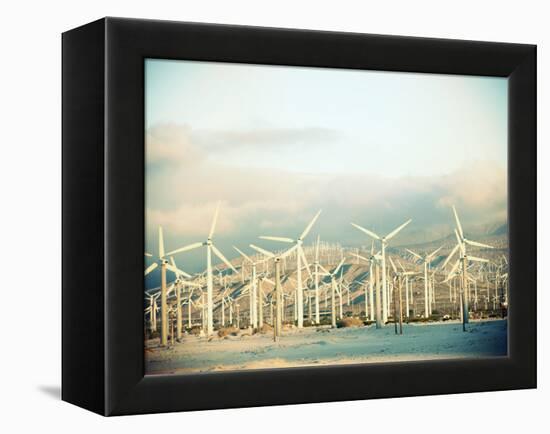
300	216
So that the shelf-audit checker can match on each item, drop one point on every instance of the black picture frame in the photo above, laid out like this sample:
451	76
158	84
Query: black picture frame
103	217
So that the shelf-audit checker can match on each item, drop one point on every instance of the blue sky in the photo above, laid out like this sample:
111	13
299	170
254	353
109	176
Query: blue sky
384	120
275	144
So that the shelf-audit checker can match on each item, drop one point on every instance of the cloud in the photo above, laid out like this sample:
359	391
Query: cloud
183	192
271	137
171	145
478	186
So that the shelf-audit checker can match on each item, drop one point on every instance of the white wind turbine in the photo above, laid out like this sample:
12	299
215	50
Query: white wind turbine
401	276
277	258
384	242
178	285
164	265
152	309
316	265
408	299
462	241
371	261
254	288
333	290
210	247
426	260
300	257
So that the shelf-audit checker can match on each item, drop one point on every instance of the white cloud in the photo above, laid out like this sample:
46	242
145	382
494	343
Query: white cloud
185	186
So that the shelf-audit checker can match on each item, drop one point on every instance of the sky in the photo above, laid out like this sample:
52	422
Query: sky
274	144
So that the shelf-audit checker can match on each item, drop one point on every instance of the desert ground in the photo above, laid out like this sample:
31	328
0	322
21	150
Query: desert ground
315	346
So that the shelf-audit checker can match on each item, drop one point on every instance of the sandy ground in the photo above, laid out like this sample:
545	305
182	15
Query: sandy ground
325	346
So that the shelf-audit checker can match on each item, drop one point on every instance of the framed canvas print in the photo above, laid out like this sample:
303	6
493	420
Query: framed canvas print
257	216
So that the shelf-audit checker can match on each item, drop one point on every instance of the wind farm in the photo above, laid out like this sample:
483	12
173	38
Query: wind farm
316	217
278	306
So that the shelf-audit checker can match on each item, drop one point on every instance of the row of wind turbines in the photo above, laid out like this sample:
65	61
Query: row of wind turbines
383	285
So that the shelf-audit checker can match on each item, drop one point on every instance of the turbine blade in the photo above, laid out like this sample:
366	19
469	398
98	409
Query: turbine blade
458	225
396	230
223	258
161	243
283	239
185	248
460	243
338	267
177	271
475	243
369	233
214	221
148	255
392	265
303	256
360	257
455	266
450	255
289	251
476	259
414	254
309	226
151	268
401	266
431	255
324	270
244	255
262	251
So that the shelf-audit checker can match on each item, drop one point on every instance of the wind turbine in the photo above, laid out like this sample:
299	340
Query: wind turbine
398	300
371	261
253	289
152	308
384	242
316	265
178	286
164	265
278	326
462	241
426	259
333	290
300	256
210	247
406	274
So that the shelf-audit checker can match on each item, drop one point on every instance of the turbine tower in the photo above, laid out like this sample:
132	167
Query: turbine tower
253	289
371	260
278	326
300	256
462	241
427	259
384	243
210	247
316	265
164	265
333	290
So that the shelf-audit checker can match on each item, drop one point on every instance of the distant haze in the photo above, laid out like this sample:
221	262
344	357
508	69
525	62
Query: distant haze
276	144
